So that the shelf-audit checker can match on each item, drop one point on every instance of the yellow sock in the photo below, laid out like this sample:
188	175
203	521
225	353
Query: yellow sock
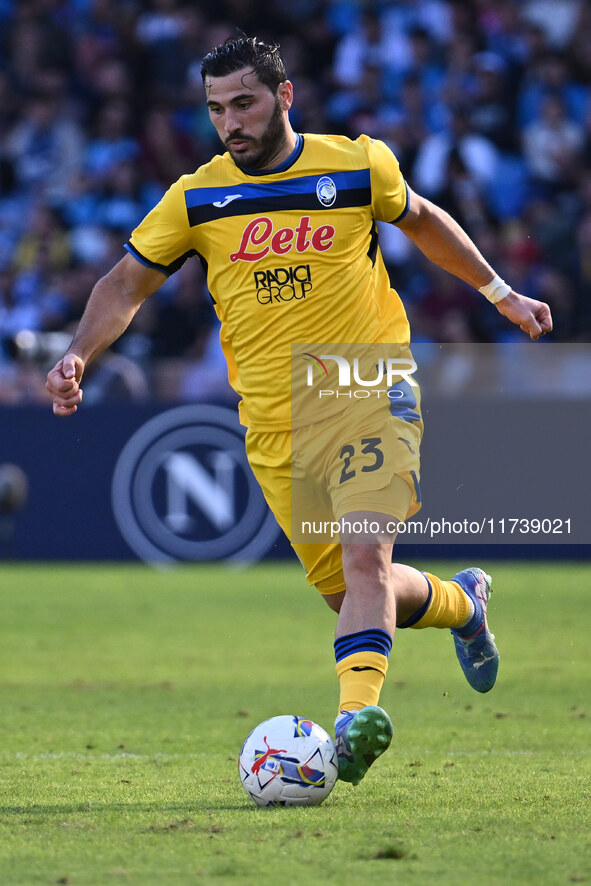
448	607
361	676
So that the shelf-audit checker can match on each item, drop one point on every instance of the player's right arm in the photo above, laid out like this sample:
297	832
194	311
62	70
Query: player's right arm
446	244
111	307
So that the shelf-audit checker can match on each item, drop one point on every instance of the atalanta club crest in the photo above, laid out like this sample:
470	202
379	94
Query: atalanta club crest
326	191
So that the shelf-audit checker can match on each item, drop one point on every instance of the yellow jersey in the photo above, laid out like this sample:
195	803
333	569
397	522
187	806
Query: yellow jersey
291	254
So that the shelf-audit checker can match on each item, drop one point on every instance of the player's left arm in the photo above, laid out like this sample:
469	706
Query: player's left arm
446	244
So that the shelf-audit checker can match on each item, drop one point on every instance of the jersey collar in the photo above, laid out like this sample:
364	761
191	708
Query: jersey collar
299	147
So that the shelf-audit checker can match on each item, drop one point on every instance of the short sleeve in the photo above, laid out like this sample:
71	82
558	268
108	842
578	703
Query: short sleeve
389	191
163	239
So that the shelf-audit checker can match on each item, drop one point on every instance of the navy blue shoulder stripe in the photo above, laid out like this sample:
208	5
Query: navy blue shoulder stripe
165	269
406	207
353	188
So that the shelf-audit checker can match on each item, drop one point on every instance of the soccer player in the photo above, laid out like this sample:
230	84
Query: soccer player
285	224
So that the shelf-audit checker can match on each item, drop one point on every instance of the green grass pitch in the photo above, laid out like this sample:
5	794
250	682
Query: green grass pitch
125	694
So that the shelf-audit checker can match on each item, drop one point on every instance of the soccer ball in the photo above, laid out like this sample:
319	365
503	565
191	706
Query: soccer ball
287	761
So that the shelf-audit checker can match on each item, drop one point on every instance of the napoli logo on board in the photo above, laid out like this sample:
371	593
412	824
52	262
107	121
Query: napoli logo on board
183	490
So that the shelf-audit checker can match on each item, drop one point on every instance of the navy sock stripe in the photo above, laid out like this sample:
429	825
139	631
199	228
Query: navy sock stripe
368	646
357	642
420	612
371	640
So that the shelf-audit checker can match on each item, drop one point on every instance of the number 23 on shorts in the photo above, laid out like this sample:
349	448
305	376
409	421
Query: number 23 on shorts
369	447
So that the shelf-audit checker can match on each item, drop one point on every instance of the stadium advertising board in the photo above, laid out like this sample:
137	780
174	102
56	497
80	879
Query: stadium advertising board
124	482
503	472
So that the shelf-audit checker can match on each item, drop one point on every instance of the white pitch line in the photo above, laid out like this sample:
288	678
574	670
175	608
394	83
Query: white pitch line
124	755
530	752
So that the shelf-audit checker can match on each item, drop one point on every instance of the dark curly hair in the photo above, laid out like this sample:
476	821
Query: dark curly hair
246	52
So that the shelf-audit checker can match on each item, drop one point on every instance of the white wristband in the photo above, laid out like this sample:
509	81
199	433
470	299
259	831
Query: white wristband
495	290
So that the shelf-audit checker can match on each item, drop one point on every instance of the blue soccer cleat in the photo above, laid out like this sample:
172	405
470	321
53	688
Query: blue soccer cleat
475	645
361	737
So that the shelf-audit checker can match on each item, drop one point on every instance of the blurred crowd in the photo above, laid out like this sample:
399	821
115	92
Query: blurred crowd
486	104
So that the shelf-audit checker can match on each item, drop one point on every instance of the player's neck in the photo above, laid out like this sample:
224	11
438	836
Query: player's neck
289	146
285	155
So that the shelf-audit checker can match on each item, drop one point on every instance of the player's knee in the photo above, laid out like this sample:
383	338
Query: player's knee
367	559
